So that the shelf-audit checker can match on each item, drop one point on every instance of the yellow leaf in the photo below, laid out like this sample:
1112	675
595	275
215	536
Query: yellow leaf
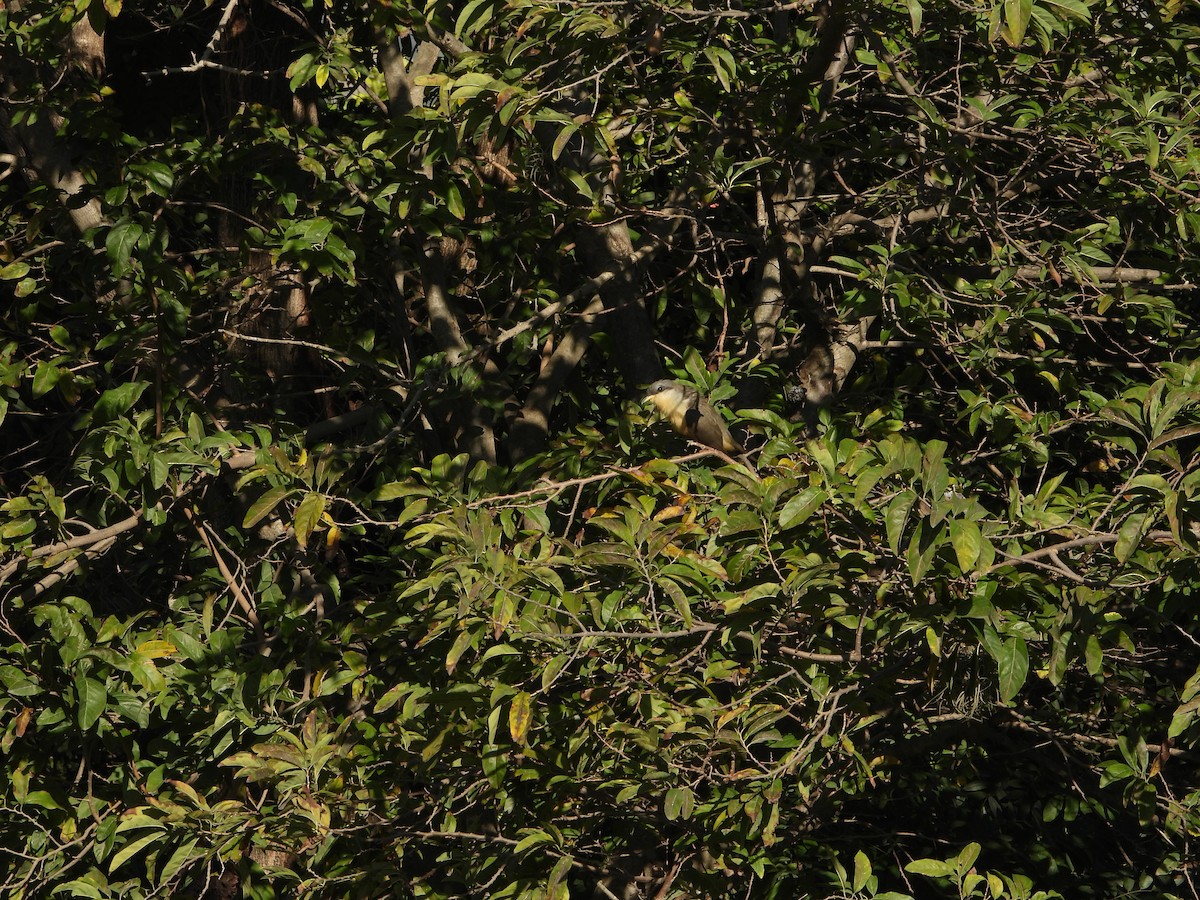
308	514
520	714
156	649
332	538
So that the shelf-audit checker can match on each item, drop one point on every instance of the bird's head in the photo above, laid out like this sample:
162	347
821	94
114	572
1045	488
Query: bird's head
665	394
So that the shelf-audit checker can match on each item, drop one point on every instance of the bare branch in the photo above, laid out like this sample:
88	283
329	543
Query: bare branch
75	543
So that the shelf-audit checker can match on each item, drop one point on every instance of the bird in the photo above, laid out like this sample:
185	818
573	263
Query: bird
691	415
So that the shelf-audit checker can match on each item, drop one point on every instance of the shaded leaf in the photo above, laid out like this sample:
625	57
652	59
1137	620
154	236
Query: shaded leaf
91	697
679	803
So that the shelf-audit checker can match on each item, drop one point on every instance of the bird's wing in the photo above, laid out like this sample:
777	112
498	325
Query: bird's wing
693	410
710	428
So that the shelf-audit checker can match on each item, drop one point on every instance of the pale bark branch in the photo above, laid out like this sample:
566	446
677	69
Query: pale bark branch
67	568
404	93
1090	540
75	543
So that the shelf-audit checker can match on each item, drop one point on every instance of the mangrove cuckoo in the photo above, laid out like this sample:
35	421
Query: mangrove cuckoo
692	415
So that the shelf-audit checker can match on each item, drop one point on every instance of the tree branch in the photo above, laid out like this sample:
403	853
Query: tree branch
83	540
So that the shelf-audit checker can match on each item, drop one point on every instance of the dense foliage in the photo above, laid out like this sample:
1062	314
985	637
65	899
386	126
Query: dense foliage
336	561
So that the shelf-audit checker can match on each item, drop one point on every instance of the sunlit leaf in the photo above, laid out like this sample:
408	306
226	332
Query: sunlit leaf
308	515
265	505
520	715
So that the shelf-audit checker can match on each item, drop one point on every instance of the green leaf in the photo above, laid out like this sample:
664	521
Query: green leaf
679	597
934	640
474	16
967	541
551	670
395	489
454	202
91	697
159	470
57	506
301	70
922	548
14	270
556	886
391	698
1016	17
896	517
472	85
1183	717
915	15
532	839
934	868
724	65
801	506
1013	666
129	851
560	141
158	176
307	234
80	887
265	505
45	377
461	643
862	871
172	314
1093	655
1069	9
117	401
679	804
146	673
581	184
1130	535
193	649
181	857
18	528
1113	771
752	595
119	245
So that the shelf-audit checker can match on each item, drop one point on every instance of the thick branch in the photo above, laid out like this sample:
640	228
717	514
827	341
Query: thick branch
404	93
533	424
48	158
780	211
